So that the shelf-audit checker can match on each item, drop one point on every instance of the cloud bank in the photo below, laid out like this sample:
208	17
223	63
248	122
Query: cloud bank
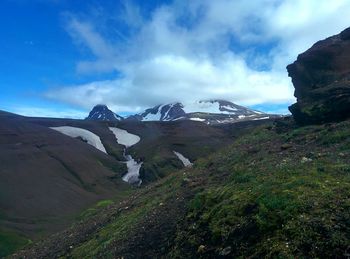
231	49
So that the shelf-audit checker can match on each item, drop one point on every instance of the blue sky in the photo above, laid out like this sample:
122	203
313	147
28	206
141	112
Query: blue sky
59	58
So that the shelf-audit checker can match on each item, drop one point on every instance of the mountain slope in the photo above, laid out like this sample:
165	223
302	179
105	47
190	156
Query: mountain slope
278	191
158	141
47	177
59	168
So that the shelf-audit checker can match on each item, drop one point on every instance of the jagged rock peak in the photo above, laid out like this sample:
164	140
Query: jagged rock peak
102	113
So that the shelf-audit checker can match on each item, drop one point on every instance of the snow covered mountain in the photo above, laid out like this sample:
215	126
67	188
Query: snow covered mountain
165	112
210	112
101	113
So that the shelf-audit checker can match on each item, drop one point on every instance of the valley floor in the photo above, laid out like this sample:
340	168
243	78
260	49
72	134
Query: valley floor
279	191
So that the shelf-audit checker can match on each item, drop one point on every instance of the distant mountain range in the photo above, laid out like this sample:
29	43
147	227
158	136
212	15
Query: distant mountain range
209	112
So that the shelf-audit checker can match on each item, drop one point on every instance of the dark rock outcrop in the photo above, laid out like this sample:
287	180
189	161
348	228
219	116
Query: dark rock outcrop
321	77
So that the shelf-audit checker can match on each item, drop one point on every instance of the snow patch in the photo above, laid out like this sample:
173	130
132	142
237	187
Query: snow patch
186	162
257	112
166	118
229	108
204	107
154	117
86	135
125	138
262	118
115	116
197	119
179	118
132	176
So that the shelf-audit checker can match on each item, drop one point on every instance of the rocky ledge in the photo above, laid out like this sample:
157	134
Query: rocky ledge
321	77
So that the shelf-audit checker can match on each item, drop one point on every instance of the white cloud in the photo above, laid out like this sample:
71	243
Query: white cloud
132	14
51	113
83	33
184	52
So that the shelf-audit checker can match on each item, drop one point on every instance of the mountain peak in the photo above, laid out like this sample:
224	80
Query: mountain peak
101	112
101	106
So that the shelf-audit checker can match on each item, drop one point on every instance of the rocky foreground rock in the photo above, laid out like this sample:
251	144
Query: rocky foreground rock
321	77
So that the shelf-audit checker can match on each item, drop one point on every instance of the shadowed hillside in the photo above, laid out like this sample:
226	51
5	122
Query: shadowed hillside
46	177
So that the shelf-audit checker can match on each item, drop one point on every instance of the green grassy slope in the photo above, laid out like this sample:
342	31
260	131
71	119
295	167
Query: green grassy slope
275	195
11	241
278	191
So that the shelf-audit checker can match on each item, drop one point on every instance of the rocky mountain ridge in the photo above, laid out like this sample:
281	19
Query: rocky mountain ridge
209	112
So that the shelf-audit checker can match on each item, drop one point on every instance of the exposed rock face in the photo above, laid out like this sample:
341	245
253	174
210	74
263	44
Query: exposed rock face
321	77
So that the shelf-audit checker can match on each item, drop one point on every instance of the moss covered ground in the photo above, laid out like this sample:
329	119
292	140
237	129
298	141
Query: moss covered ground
11	241
281	195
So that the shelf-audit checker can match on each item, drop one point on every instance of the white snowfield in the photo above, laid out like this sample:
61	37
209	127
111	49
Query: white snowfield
125	138
153	117
86	135
205	107
208	107
184	160
133	171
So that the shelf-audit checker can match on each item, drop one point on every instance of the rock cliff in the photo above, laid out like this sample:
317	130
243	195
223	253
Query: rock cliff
321	77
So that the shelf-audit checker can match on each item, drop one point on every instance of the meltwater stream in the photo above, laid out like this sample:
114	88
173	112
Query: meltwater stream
186	162
127	139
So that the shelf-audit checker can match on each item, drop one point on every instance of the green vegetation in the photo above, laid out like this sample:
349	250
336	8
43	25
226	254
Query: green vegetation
127	221
159	168
274	200
11	242
114	150
94	210
268	195
272	194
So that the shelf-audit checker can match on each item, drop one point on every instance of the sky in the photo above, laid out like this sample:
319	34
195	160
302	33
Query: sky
59	58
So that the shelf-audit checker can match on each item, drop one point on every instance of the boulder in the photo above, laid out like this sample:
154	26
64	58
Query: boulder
321	78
